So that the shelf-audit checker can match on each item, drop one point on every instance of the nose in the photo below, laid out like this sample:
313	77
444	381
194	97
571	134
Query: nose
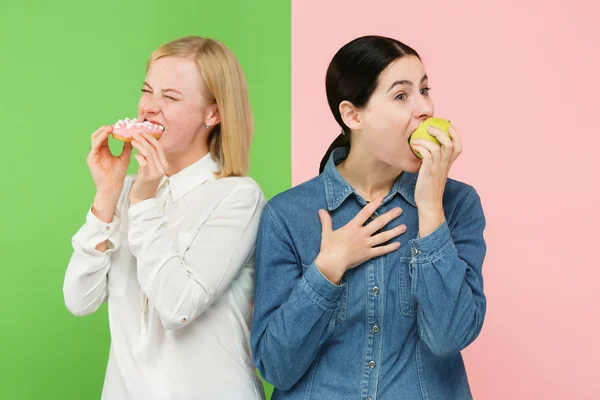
423	108
150	107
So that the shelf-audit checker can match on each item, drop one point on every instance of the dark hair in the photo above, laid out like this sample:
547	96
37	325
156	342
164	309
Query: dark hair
353	74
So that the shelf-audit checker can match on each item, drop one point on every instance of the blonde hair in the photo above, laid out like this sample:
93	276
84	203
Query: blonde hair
225	85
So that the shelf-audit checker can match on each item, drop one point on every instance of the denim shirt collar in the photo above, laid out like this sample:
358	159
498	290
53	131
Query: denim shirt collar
337	189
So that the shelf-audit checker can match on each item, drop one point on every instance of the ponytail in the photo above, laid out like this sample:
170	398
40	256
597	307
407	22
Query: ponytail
341	141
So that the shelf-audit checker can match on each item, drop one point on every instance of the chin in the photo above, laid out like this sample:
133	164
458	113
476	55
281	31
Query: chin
408	166
413	168
167	146
407	161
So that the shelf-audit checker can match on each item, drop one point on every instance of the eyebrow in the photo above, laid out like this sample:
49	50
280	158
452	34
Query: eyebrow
166	90
406	82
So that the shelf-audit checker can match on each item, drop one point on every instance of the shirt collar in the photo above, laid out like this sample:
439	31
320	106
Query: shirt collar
188	178
337	189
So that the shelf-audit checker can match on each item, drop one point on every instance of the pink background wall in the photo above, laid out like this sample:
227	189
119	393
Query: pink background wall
520	80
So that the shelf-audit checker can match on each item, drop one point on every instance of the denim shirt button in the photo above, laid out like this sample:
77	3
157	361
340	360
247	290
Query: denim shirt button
376	290
375	328
415	252
372	364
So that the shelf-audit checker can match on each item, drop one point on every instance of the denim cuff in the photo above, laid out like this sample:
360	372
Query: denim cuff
433	246
320	289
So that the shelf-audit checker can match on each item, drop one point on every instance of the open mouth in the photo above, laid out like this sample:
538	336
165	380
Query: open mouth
410	146
153	125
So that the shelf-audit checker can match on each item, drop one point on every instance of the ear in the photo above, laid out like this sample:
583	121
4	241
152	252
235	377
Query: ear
212	115
350	115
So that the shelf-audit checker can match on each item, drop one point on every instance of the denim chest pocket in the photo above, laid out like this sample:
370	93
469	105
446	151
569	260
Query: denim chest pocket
408	303
342	305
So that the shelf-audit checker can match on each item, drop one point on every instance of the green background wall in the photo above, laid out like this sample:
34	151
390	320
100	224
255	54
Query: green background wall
67	68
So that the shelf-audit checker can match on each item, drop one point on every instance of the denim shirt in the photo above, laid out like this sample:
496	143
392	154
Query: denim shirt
394	327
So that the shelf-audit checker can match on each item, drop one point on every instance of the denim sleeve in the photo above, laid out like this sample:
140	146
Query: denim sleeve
447	281
293	309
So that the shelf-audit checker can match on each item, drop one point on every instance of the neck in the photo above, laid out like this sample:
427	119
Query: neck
369	177
183	159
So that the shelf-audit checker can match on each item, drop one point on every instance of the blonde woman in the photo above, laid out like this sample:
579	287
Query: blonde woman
172	248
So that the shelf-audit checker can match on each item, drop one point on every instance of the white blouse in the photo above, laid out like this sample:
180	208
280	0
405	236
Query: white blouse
179	279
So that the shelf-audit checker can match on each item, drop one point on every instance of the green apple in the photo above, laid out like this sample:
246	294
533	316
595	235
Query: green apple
421	132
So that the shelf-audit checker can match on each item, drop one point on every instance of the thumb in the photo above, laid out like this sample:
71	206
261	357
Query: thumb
126	152
325	221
